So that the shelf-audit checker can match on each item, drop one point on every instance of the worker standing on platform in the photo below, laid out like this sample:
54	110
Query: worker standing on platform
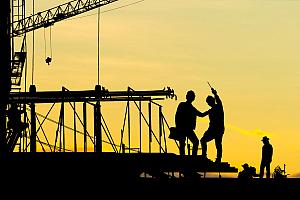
266	159
216	125
185	120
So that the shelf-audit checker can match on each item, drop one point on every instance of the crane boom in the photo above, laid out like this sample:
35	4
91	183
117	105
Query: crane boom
49	17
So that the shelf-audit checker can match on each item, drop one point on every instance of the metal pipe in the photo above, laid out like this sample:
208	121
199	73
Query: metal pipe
97	127
84	128
150	126
75	132
160	126
140	123
32	90
128	118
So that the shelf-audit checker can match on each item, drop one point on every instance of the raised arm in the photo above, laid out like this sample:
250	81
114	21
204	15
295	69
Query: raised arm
218	100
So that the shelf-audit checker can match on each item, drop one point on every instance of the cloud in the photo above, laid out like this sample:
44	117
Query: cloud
255	132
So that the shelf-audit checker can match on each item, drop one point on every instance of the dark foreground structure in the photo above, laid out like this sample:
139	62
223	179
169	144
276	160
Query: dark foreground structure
139	175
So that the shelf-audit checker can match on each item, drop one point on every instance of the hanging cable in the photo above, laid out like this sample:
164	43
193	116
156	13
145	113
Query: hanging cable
32	71
26	65
48	59
98	45
45	43
51	44
25	48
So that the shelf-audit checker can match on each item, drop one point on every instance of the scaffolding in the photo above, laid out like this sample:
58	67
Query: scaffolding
134	99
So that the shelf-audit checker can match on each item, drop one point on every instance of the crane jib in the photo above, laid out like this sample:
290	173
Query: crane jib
49	17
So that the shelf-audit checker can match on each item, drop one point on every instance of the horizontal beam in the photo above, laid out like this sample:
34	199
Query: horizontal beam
89	96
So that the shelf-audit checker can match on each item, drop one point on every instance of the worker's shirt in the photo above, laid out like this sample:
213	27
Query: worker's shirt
216	114
267	153
186	115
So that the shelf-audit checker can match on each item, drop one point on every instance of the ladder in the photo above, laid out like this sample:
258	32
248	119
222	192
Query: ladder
18	58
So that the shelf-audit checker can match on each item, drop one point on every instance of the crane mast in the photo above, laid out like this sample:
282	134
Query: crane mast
49	17
14	24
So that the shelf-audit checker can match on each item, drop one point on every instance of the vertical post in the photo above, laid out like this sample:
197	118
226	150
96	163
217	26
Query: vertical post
129	146
5	67
24	135
32	90
63	120
75	131
99	140
98	121
84	128
150	126
97	127
160	127
140	122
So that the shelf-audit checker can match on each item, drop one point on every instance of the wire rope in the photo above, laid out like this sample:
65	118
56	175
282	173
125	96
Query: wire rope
32	71
98	48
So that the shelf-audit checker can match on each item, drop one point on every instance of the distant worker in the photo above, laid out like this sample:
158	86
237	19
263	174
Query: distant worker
14	119
185	120
216	127
266	159
247	173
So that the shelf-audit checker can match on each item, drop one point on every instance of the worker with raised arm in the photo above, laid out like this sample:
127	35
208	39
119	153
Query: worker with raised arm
216	127
185	120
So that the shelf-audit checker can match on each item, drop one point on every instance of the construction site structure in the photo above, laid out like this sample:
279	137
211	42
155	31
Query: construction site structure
19	146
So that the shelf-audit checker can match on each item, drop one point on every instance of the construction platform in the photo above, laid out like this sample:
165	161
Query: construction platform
130	166
119	175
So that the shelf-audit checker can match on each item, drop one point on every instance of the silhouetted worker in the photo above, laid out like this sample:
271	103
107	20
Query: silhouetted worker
216	125
247	173
266	159
185	120
14	119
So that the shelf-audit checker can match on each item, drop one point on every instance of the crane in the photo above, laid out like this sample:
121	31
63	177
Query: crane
14	24
44	19
49	17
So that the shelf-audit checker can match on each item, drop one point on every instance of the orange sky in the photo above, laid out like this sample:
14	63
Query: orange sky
248	50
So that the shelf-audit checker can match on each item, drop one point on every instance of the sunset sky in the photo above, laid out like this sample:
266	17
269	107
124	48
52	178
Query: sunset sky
247	49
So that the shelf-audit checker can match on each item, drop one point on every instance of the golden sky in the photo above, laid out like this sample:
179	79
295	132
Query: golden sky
247	49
